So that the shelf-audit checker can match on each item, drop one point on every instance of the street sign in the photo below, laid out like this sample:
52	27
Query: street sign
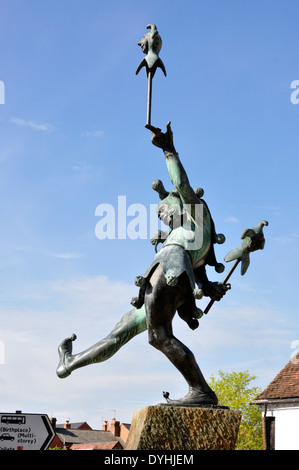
20	431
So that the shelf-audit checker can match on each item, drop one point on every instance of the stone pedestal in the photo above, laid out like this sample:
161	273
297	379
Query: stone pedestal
165	427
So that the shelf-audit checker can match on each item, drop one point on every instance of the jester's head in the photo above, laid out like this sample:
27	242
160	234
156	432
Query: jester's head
151	42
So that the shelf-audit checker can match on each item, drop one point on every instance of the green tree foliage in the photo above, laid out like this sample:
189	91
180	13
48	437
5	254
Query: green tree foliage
232	390
57	448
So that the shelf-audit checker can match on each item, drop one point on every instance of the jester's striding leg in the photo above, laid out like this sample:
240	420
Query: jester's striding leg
130	325
161	303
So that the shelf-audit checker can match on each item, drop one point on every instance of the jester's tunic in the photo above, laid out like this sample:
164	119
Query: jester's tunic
189	245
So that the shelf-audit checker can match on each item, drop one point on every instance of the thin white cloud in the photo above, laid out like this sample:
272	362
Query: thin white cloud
82	167
232	220
67	255
286	239
96	133
46	127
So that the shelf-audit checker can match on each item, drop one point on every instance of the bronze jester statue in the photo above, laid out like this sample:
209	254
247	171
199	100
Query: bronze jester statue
177	276
172	283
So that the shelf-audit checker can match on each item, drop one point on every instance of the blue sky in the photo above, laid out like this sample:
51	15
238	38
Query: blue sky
72	137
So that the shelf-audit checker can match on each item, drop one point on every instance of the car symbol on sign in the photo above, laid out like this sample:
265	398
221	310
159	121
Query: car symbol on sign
6	437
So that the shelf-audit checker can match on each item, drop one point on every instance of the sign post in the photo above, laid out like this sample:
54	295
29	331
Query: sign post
20	431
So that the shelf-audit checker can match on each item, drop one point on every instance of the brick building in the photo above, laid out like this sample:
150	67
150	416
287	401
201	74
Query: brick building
279	403
80	436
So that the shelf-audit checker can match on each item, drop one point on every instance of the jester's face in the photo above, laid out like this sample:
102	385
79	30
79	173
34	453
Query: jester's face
164	213
170	211
144	44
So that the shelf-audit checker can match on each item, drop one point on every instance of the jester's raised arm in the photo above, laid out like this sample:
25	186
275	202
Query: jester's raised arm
176	171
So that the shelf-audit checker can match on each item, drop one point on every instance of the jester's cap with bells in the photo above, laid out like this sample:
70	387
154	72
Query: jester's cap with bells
172	198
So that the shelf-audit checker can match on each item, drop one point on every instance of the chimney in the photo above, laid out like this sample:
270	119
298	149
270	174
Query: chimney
53	422
114	427
67	425
105	426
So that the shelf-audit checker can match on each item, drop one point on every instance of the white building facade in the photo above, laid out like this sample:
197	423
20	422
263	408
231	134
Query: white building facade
279	404
280	423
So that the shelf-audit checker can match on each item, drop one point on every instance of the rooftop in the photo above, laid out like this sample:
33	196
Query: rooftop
285	384
74	425
102	446
83	436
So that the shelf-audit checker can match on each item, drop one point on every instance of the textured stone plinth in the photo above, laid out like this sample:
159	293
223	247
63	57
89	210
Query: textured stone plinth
183	428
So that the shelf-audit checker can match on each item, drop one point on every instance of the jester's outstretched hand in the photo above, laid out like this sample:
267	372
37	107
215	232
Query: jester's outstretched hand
161	139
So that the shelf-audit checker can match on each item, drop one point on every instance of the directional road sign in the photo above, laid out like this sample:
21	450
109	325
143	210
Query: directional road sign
20	431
